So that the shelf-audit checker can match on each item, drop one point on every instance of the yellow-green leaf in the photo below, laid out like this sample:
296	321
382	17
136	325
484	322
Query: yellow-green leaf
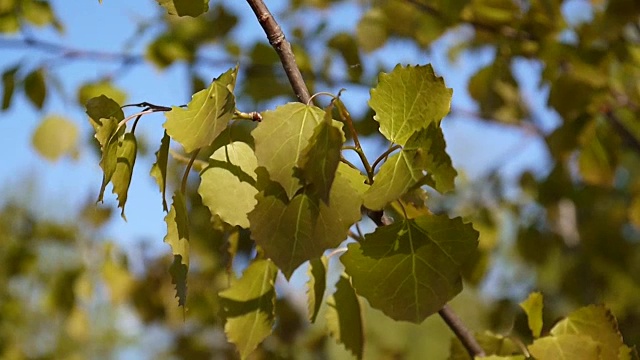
159	168
55	137
90	90
191	8
249	307
228	184
126	159
206	116
567	347
409	99
532	306
178	238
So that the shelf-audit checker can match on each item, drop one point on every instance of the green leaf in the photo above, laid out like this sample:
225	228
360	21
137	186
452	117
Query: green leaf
372	30
533	308
191	8
108	135
316	285
90	90
344	317
55	137
410	269
159	168
177	237
407	100
206	115
126	159
281	139
38	13
8	86
596	322
567	346
103	107
292	233
36	88
228	185
249	307
346	45
320	159
425	150
492	344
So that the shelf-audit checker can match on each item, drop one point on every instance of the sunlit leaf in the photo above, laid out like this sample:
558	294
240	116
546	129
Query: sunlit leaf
178	238
496	345
227	186
191	8
294	232
8	86
410	269
90	90
532	306
320	159
596	322
55	137
126	159
281	138
344	317
38	13
409	99
249	307
424	151
109	135
35	87
371	32
159	168
206	115
566	346
316	285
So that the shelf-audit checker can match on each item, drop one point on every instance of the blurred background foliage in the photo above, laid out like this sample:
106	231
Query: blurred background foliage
570	230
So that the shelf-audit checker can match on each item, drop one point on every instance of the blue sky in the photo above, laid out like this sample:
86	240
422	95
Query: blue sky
58	189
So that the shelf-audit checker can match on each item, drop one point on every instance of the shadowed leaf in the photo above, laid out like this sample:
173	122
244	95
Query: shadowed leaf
344	317
227	186
410	269
316	285
292	233
36	88
178	238
159	168
191	8
249	307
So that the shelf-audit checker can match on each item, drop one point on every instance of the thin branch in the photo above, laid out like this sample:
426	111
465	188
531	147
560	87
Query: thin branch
384	155
462	333
282	47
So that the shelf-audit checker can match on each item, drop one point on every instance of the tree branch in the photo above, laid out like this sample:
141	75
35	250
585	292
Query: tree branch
462	333
283	48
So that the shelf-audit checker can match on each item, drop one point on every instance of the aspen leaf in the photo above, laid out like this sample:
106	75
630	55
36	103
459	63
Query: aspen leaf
55	137
291	233
320	159
206	116
532	306
344	317
316	285
192	8
159	168
249	306
411	268
8	86
125	160
281	139
178	238
409	99
227	186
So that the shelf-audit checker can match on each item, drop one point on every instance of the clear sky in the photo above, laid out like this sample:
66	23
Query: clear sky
58	189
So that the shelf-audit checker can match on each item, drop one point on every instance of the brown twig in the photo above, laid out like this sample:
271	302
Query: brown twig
462	333
282	47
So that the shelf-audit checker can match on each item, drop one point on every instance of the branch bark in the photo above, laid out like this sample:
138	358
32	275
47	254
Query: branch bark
283	48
